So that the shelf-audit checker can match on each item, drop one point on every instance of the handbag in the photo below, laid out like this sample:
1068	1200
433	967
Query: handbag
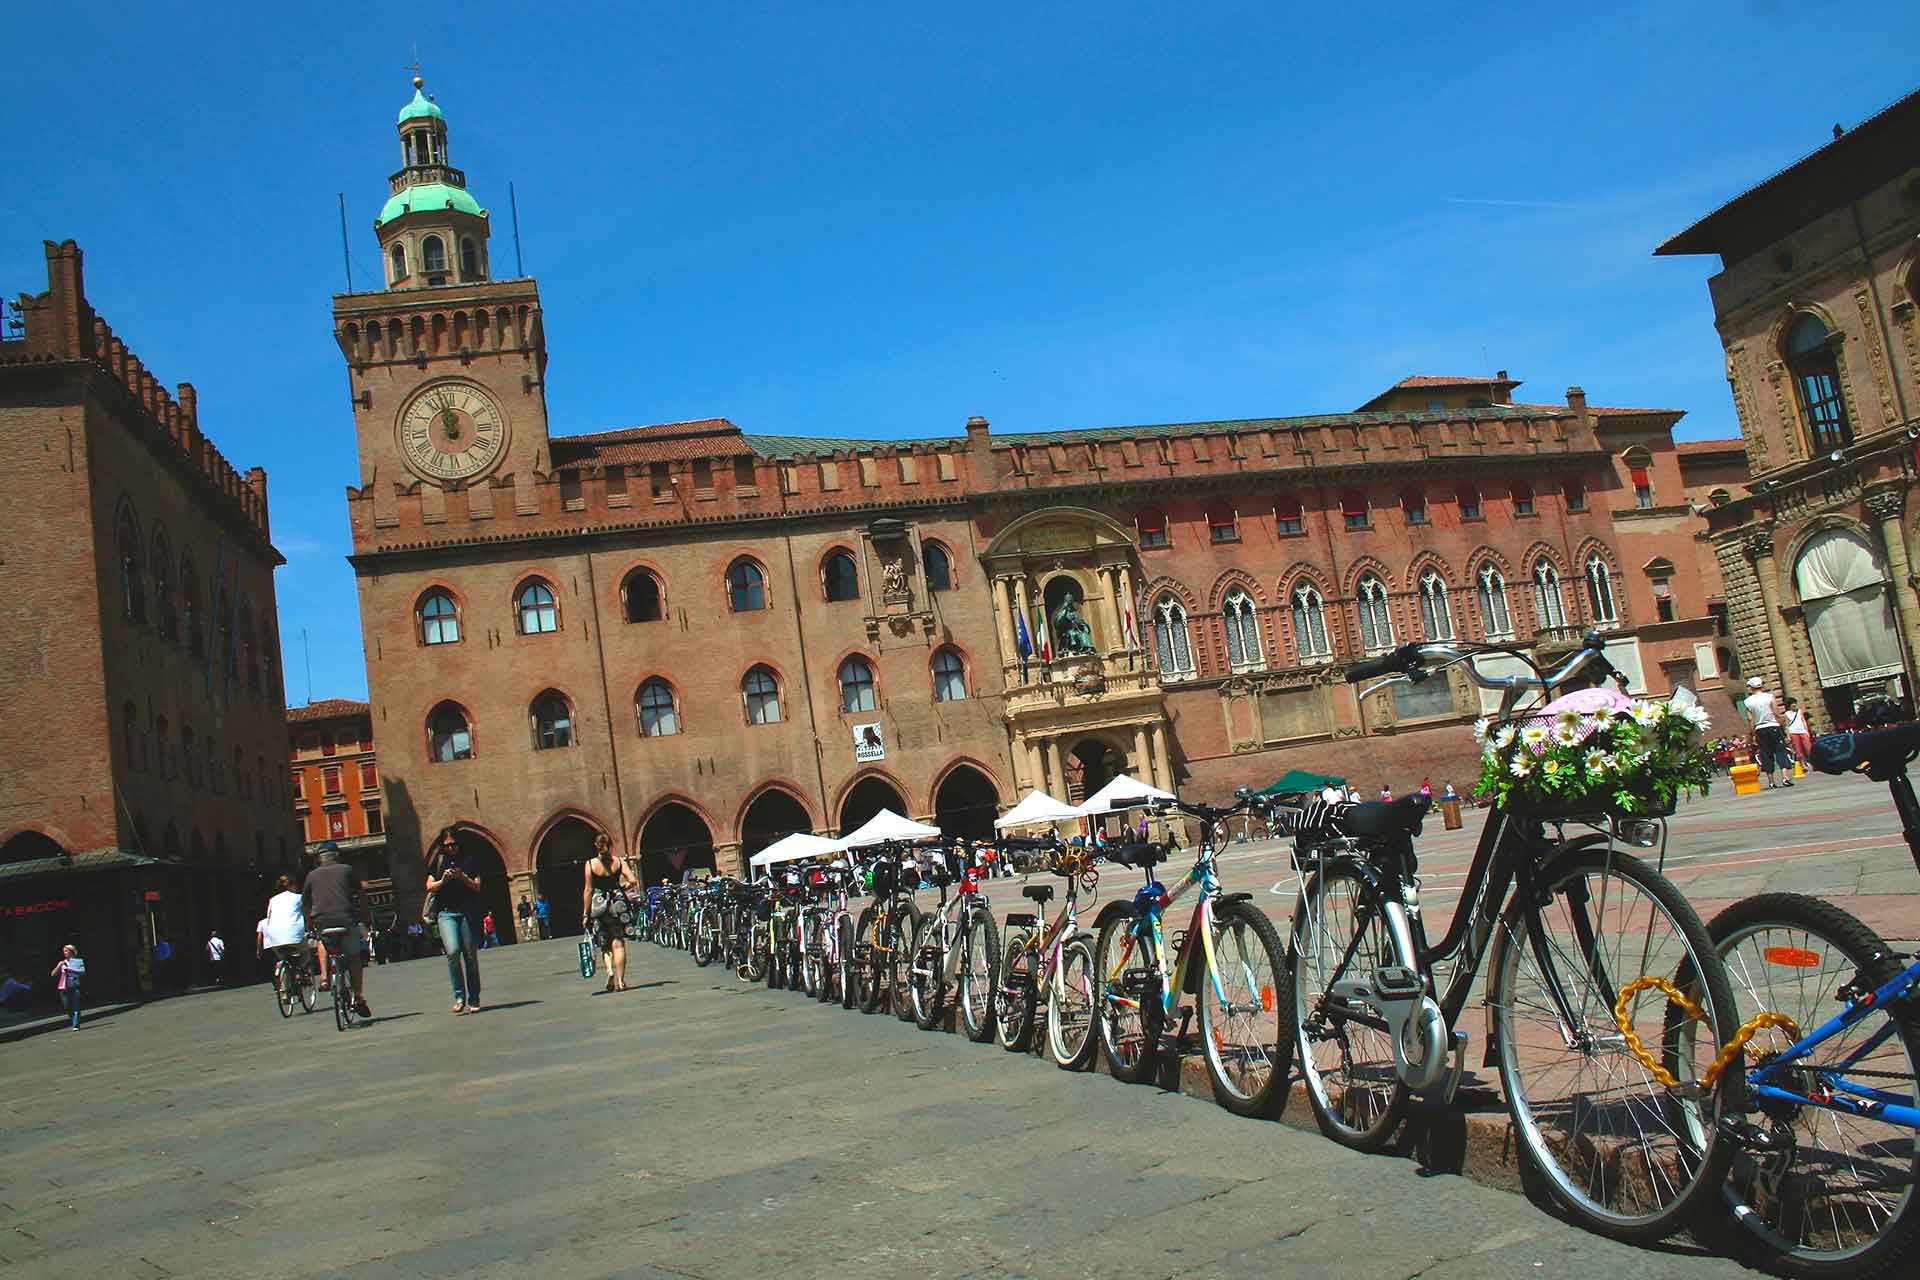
430	910
586	959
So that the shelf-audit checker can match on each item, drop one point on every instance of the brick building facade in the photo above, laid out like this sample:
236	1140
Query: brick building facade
139	634
695	639
336	792
1815	303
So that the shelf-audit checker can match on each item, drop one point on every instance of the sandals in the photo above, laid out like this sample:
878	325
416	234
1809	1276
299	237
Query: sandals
459	1006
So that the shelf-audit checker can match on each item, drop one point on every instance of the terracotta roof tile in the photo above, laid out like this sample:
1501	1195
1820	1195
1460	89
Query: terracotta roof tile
1602	410
661	442
1699	447
326	709
1444	380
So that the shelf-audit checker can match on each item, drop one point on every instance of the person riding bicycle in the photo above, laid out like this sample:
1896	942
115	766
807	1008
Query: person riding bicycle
331	899
284	931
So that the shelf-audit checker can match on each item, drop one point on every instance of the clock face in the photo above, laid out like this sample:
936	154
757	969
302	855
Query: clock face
452	431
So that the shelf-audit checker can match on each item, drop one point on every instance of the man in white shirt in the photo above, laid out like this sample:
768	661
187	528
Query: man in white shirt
1769	738
216	957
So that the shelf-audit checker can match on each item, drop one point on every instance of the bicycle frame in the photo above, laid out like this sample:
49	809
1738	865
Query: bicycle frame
1201	923
1835	1091
1051	940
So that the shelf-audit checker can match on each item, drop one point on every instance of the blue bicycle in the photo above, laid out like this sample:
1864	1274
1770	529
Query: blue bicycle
1823	1179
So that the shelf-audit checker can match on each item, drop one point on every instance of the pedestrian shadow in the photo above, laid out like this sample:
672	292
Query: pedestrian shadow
511	1004
643	986
396	1017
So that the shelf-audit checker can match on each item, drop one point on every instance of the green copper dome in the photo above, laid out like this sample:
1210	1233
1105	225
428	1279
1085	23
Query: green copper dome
427	197
422	107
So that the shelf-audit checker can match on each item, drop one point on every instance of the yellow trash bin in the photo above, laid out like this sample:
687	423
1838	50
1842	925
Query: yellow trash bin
1746	778
1450	814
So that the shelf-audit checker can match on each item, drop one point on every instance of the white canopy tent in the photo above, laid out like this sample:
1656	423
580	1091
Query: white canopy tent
801	844
887	825
1123	792
1037	809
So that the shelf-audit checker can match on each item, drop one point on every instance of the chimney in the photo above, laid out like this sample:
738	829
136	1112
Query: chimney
980	449
1502	395
257	484
72	335
1577	401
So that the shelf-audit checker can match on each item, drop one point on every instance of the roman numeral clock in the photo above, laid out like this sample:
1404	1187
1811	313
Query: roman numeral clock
452	430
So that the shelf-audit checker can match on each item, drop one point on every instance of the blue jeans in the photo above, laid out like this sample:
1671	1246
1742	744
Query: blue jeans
71	998
463	958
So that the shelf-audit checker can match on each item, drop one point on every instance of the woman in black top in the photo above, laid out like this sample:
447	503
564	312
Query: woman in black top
456	896
606	911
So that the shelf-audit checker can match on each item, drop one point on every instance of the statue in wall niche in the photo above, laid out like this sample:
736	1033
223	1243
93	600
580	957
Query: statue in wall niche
1070	629
893	577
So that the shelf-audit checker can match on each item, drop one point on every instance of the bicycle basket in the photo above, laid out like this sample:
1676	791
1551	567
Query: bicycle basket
1596	753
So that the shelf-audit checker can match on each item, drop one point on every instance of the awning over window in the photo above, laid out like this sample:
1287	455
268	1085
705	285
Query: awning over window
1353	503
1639	477
1151	520
1849	617
1286	508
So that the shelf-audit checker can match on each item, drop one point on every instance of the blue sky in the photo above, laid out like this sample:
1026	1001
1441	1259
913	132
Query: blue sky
875	220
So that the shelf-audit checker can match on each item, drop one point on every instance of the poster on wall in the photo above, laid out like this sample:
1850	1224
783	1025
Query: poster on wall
868	745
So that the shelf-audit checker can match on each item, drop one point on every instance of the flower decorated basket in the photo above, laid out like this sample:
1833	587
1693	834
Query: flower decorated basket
1597	752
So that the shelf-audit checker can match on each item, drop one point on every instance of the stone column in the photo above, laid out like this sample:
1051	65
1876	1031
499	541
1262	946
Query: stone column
1003	624
727	860
1162	766
1886	507
1142	754
1050	768
1759	549
1110	579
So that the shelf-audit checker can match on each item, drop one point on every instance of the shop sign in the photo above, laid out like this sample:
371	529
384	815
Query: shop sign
868	745
36	908
151	895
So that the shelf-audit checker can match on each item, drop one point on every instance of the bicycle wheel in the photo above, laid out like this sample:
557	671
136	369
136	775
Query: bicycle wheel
979	957
873	971
284	985
1837	1197
928	986
776	958
754	957
1014	996
1246	1026
906	926
1070	1036
342	997
309	984
1129	1010
701	941
1627	1157
846	972
1346	1052
811	955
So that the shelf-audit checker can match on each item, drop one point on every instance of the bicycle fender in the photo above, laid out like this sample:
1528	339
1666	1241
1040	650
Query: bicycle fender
1112	911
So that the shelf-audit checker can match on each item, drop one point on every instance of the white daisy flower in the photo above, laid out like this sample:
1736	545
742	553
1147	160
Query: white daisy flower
1522	765
1603	718
1696	715
1566	735
1647	714
1481	727
1534	736
1503	737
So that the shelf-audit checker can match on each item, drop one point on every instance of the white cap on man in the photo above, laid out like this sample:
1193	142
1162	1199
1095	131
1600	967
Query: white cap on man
1755	682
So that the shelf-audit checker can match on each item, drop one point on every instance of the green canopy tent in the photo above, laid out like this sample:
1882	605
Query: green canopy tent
1298	782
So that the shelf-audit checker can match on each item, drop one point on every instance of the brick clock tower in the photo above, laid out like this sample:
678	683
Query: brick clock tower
446	363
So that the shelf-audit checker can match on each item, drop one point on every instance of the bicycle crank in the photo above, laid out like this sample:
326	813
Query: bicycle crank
1419	1032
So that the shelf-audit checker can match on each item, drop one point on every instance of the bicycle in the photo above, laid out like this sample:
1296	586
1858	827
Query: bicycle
294	978
1566	923
344	1013
826	932
1823	1181
1058	958
958	947
885	933
1228	959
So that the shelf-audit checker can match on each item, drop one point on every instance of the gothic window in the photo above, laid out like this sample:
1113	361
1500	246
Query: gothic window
658	716
838	576
552	722
1413	506
1242	621
1494	618
1816	383
534	609
1436	611
163	612
449	736
746	587
1151	525
1288	517
1600	591
1548	606
1310	624
133	581
1223	523
439	620
1170	639
1469	502
469	259
949	677
640	597
938	563
1522	498
399	256
856	685
1353	509
1376	619
762	693
433	255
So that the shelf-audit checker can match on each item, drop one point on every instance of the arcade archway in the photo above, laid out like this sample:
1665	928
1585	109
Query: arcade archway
1091	765
30	846
869	796
485	861
966	804
561	861
773	814
674	841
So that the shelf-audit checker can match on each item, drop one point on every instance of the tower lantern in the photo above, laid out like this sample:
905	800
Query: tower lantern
432	232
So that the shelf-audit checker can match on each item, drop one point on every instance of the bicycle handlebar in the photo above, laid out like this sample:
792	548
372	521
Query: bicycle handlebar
1416	662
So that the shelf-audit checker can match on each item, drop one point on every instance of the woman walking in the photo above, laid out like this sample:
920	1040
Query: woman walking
66	975
456	899
1799	736
606	911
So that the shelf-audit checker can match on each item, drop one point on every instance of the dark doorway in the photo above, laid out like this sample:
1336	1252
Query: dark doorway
561	860
486	863
966	804
868	797
29	846
1091	765
773	815
674	841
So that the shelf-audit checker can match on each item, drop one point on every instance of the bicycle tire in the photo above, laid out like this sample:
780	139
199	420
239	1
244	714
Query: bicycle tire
811	979
873	986
1071	1039
849	972
776	959
309	985
700	945
906	925
1248	1043
1820	1221
1682	1180
1014	994
973	978
284	985
1129	1037
342	1000
1357	1096
928	987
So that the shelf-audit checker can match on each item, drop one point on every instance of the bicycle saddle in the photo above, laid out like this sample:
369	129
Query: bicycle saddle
1040	893
1380	817
1883	751
1140	856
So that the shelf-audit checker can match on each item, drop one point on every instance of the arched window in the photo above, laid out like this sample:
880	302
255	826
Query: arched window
433	255
1376	619
1659	578
1494	618
1548	606
658	716
840	579
1353	509
1469	497
1436	611
534	610
1816	384
938	563
1522	492
746	587
1223	523
762	693
1413	506
1310	624
439	620
1170	639
552	722
469	259
164	617
1243	631
640	598
449	737
949	677
1288	516
1640	476
1600	591
133	572
856	685
399	256
1151	525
